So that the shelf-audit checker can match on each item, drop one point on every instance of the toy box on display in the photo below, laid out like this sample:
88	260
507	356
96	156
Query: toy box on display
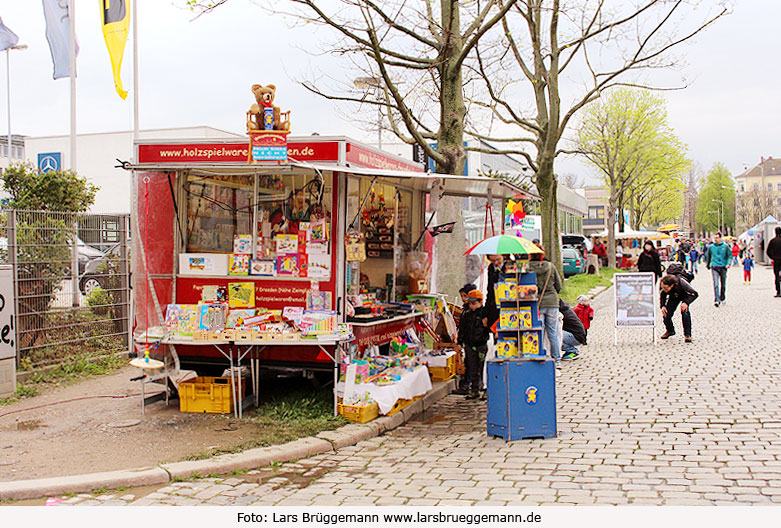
390	382
521	380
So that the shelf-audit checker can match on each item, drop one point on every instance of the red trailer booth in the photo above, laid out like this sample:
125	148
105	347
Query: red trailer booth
197	201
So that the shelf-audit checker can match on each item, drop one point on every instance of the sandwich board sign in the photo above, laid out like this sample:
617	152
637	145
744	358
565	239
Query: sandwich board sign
7	333
635	301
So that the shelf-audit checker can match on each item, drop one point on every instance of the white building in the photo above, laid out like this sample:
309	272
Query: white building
17	150
97	155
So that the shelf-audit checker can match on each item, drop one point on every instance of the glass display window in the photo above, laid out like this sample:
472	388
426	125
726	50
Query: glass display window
218	209
293	207
282	219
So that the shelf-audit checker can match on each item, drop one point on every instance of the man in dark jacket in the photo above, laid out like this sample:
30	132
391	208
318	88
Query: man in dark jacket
774	252
573	332
649	260
495	269
675	291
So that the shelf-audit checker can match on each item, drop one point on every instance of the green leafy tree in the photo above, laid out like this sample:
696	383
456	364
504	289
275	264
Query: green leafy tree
45	232
627	138
656	198
552	58
717	194
63	191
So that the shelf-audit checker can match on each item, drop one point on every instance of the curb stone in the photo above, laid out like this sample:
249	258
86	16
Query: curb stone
33	489
324	442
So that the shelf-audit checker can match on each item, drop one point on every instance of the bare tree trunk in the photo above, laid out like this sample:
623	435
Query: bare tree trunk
546	186
611	233
452	108
620	212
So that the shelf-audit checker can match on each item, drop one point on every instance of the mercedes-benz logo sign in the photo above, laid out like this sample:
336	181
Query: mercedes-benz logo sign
48	163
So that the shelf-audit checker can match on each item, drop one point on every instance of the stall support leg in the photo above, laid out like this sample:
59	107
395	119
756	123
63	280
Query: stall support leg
337	359
257	352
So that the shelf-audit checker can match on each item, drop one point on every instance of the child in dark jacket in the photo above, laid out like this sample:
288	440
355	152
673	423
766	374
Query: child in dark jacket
463	383
473	337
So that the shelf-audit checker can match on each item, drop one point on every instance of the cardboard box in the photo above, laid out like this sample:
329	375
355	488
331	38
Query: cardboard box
203	264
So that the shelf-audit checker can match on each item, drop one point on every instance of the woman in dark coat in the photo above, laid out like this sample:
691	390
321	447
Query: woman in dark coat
649	260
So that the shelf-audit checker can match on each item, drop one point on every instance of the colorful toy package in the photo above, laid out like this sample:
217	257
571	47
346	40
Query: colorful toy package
237	318
212	316
361	370
507	348
515	319
238	265
241	294
264	317
242	244
318	322
507	290
531	343
527	292
181	320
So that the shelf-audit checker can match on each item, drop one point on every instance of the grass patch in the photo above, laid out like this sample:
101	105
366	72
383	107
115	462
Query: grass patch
78	369
289	409
22	391
581	284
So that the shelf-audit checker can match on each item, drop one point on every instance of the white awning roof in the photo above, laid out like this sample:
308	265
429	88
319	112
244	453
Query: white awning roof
423	181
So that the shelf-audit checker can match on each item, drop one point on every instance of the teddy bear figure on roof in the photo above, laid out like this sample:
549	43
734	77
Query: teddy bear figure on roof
263	114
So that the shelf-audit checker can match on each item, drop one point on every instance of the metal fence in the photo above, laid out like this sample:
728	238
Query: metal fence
71	280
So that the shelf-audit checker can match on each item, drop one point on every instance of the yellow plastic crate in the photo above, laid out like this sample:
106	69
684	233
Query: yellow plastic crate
401	404
207	395
444	373
360	414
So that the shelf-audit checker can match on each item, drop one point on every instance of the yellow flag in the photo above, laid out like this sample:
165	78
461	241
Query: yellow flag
115	15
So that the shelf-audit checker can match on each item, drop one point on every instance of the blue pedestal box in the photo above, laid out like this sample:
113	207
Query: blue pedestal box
521	399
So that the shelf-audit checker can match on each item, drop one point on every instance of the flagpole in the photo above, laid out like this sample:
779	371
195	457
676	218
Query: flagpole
8	91
72	52
134	14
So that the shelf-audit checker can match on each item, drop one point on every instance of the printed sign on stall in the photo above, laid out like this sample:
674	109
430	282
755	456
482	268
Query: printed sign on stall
634	299
269	146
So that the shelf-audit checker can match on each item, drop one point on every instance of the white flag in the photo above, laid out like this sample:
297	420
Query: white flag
8	38
58	35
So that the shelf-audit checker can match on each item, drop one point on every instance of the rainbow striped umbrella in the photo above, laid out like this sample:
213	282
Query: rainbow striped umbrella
504	245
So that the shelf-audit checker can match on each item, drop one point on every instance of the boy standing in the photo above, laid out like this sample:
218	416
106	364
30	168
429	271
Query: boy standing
473	337
463	383
748	265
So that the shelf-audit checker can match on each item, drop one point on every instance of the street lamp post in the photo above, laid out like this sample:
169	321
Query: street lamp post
721	216
735	190
20	47
372	83
712	212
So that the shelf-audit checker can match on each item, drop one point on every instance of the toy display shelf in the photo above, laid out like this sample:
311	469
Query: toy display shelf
517	304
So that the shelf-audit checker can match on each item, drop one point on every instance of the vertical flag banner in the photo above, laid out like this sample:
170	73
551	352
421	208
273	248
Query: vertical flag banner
115	15
8	38
58	35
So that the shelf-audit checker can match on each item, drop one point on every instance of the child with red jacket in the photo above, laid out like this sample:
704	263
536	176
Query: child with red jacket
584	312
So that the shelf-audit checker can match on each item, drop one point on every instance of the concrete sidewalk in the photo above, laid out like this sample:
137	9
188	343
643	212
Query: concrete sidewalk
672	424
325	442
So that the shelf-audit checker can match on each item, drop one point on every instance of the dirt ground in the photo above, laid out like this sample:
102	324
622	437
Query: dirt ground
40	437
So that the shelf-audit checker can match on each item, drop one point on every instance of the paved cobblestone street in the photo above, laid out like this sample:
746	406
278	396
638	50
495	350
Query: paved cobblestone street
674	424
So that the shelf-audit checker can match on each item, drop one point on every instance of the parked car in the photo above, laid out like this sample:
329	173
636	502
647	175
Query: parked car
96	276
577	241
573	261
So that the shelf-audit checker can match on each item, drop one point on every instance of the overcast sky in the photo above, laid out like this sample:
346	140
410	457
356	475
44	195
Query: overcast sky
199	73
